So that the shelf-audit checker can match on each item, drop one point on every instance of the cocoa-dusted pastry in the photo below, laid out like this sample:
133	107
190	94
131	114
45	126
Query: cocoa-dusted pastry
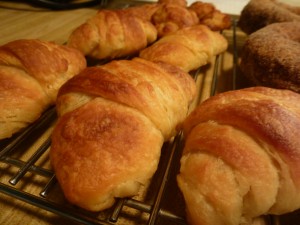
260	13
113	120
31	72
210	16
241	157
112	34
188	48
270	56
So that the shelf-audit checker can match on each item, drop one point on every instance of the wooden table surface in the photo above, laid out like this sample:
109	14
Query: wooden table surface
19	21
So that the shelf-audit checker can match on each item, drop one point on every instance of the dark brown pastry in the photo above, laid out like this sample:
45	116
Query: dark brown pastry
270	56
260	13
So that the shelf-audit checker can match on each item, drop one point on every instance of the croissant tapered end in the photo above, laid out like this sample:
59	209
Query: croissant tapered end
242	157
31	72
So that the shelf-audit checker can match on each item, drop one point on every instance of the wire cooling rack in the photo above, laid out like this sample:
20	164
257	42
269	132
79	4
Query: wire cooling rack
24	160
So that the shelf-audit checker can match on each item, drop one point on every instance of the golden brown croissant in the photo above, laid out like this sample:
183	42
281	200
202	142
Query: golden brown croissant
188	48
173	15
113	121
242	156
169	18
210	16
31	72
112	34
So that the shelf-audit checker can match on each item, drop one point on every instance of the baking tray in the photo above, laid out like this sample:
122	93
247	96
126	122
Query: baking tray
26	173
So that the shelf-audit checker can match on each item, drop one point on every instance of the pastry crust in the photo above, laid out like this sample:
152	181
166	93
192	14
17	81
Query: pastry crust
112	34
188	48
31	72
99	152
113	121
241	156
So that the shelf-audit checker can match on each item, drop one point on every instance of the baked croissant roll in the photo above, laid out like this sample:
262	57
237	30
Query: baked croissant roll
31	72
169	18
112	34
188	48
113	120
242	156
210	16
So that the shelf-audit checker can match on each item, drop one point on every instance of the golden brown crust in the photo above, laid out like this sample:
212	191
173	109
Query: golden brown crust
210	16
22	100
31	72
269	56
260	13
112	34
188	48
252	136
143	85
172	17
113	121
99	151
50	64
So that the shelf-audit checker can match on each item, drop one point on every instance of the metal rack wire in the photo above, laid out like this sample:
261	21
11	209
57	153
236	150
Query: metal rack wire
155	206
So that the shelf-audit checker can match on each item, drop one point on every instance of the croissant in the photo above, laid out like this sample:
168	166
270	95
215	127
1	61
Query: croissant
210	16
31	72
171	17
112	34
113	120
241	157
188	48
